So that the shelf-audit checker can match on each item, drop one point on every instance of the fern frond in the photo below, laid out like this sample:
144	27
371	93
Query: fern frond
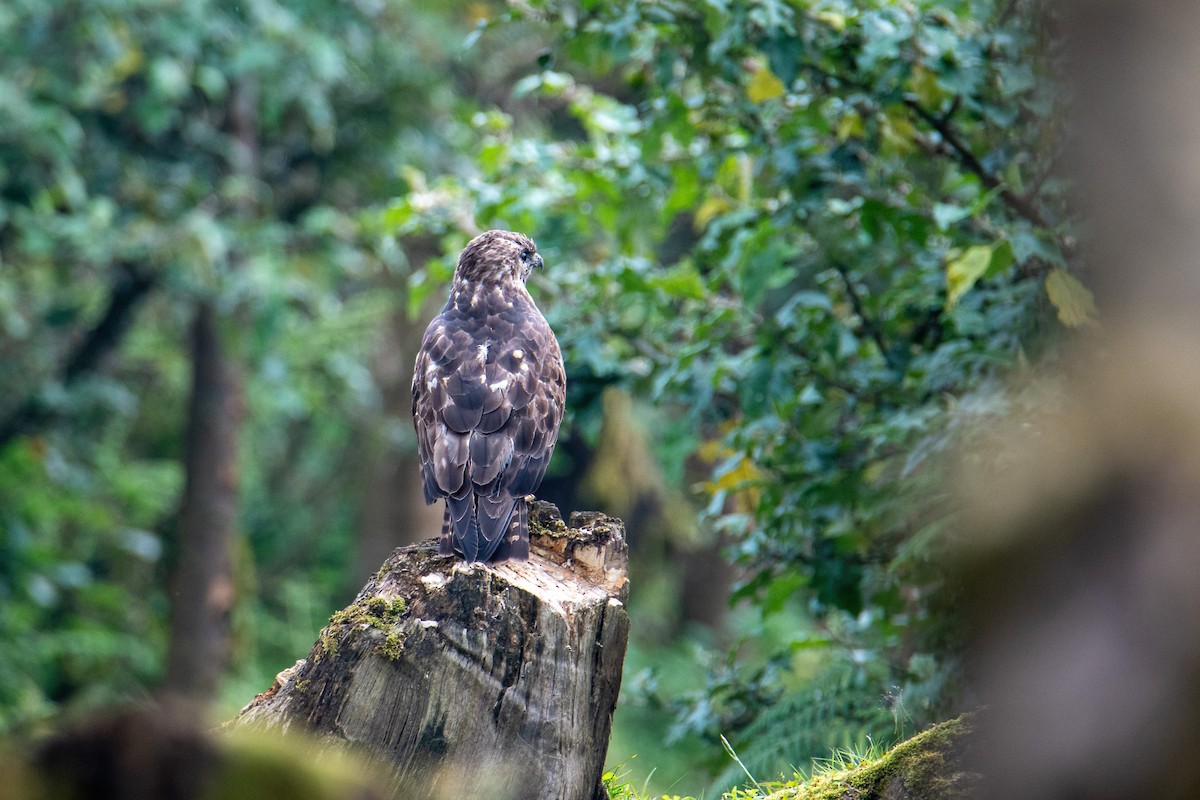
835	716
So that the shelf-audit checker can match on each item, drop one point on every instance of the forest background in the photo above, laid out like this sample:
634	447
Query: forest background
795	252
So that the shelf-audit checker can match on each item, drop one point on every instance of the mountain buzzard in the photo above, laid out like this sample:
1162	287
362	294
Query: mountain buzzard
488	393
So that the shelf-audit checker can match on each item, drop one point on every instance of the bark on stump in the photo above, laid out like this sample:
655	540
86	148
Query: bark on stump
493	681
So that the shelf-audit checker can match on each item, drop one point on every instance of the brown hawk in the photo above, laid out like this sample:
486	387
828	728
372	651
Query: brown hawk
488	394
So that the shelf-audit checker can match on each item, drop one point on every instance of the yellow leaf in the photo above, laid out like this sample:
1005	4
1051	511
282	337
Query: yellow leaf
898	133
873	472
710	450
739	483
924	84
131	58
1075	304
963	270
764	85
709	209
477	13
744	472
833	19
851	126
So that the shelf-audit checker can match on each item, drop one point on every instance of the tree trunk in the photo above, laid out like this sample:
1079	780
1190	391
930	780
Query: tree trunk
202	589
493	681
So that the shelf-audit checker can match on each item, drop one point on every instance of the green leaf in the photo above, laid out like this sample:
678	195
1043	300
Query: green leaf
1002	259
946	215
683	281
780	591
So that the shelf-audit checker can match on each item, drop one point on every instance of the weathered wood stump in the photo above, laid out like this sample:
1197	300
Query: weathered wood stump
494	681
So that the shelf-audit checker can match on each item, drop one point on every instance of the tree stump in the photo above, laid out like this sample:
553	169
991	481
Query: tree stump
494	681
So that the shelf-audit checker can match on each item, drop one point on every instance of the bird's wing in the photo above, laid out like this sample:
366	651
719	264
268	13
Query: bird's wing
533	425
447	405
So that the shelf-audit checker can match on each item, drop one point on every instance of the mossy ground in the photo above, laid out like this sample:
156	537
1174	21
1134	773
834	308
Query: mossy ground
925	766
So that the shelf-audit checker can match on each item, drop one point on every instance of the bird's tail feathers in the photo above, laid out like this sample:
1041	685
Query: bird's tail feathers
446	540
514	544
486	529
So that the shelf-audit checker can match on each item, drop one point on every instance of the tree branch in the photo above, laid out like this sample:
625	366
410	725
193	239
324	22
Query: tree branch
1006	13
868	324
128	291
953	146
967	159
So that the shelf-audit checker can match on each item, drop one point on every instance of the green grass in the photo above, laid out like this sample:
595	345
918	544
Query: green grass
925	764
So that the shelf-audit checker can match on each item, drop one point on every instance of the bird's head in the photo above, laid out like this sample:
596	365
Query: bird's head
497	257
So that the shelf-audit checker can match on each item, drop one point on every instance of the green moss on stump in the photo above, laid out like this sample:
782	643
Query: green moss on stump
392	646
924	767
373	612
544	520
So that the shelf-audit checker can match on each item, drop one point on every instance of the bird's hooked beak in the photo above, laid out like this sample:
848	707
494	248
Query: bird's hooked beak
537	261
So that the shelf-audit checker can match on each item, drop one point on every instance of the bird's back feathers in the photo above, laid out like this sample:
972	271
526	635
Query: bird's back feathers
488	395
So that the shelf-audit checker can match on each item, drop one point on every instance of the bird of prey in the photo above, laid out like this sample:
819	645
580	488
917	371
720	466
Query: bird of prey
488	394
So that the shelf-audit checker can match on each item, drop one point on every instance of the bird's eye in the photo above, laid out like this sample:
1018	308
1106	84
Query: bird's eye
525	254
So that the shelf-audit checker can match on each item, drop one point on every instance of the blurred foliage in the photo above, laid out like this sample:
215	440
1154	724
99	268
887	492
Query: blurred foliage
815	234
211	150
178	756
818	233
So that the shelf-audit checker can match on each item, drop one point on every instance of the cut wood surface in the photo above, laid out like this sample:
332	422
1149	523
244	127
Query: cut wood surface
494	681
